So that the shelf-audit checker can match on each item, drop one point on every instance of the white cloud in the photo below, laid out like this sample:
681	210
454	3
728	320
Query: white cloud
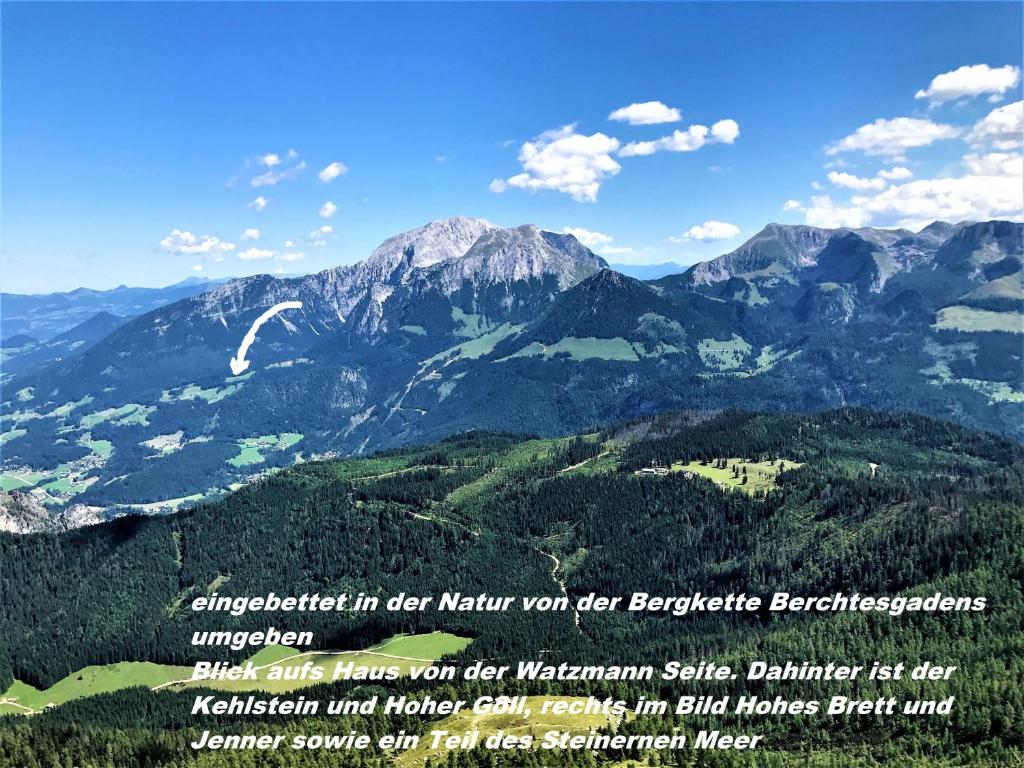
711	230
197	267
272	177
823	212
588	238
269	160
725	131
969	81
318	237
792	205
183	242
893	137
646	113
497	186
975	197
862	184
251	234
332	171
993	187
258	204
1002	128
327	210
690	140
256	254
992	184
565	161
996	164
294	256
896	173
848	180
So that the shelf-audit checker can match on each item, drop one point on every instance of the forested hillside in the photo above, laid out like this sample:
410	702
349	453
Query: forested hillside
848	501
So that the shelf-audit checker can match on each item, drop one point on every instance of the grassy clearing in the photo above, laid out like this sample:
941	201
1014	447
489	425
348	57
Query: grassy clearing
750	296
602	464
165	444
122	416
724	355
940	373
996	391
587	348
767	358
354	469
64	487
282	364
210	395
474	348
1008	287
102	448
760	475
19	416
581	349
171	505
251	448
536	724
416	330
11	434
21	698
12	481
429	646
282	666
91	681
959	318
520	455
472	325
63	410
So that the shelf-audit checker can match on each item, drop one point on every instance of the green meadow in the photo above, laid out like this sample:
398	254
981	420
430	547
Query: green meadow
403	651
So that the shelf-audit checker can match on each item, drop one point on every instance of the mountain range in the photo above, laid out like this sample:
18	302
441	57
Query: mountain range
43	316
461	324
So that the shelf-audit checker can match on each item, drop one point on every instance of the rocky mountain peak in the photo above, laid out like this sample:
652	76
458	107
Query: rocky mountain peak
777	247
425	246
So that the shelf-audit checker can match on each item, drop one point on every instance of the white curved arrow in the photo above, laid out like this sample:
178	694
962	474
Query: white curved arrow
238	362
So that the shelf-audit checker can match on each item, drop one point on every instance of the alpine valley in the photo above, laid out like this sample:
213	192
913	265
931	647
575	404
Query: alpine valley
461	325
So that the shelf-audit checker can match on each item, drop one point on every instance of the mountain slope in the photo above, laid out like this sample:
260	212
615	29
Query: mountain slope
72	342
522	330
873	504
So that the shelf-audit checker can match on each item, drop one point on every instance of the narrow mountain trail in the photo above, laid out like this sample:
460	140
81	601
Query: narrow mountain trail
14	703
556	567
585	461
416	379
401	471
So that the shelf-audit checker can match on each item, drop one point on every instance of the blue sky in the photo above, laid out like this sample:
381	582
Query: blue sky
133	134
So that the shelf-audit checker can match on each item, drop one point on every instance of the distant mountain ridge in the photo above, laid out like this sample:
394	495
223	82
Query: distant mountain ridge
461	324
43	316
648	271
21	352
